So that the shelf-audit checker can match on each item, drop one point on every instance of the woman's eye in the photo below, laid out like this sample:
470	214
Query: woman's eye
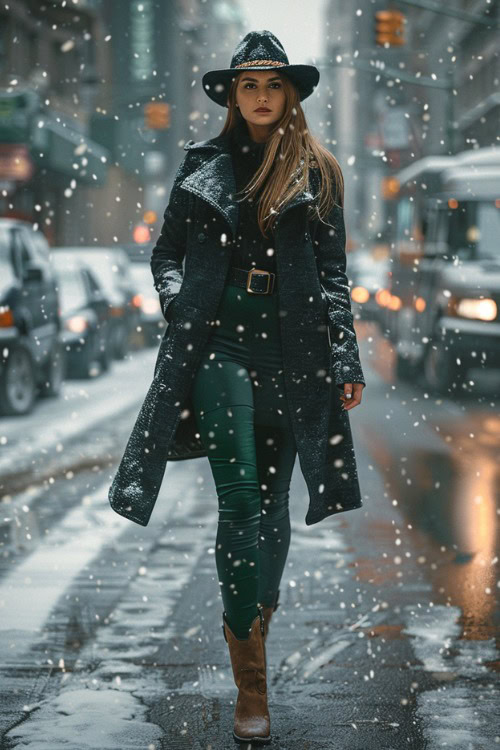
253	84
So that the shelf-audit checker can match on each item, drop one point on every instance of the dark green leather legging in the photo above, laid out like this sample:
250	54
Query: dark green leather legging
242	416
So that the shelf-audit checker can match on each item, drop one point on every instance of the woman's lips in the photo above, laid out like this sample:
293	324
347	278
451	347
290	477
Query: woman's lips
263	111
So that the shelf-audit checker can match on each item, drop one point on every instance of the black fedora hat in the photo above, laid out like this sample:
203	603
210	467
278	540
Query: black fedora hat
259	50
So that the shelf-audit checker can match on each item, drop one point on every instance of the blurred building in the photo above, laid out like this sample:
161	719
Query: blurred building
435	93
49	165
158	54
360	107
462	48
97	98
208	34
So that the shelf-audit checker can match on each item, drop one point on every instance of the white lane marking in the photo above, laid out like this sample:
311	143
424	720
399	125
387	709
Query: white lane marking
28	593
106	708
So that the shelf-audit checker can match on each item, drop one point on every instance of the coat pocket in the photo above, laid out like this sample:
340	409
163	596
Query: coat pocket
169	310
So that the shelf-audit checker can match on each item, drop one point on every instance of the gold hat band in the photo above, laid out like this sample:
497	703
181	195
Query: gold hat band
260	62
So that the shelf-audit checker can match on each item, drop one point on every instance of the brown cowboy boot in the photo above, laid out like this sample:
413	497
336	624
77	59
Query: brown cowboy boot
248	660
268	613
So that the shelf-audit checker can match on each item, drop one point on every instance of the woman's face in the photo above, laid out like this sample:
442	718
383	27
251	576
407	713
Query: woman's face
260	89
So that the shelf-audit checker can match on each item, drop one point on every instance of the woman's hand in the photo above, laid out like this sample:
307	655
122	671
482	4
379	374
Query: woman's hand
352	395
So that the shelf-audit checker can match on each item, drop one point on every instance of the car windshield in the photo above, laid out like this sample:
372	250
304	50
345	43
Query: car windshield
72	294
105	268
474	231
7	276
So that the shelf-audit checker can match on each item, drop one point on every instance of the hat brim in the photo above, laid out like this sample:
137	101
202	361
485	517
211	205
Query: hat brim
216	83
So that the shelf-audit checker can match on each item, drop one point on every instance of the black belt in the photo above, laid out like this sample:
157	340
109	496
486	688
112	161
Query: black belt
254	281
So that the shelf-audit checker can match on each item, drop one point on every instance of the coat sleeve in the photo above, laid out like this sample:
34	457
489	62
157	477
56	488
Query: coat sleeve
331	259
168	254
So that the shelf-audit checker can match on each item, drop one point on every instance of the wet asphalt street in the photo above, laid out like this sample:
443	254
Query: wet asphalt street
387	633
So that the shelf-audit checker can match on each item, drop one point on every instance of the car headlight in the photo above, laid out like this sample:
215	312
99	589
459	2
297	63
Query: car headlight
76	324
473	308
360	294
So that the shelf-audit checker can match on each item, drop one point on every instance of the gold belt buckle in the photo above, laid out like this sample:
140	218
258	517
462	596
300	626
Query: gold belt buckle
249	280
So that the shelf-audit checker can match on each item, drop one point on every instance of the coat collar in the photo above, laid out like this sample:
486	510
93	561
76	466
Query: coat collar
214	181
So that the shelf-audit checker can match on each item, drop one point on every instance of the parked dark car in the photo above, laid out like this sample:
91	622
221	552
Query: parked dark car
86	316
112	267
31	350
152	322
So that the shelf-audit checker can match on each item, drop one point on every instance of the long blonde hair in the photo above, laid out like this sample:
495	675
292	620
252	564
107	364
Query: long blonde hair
289	153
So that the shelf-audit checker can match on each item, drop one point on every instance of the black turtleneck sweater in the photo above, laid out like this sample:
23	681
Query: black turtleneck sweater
250	247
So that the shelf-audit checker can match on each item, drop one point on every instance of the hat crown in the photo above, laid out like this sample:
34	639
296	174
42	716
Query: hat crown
259	46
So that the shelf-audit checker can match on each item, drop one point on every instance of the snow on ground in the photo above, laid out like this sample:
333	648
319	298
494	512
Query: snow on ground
462	713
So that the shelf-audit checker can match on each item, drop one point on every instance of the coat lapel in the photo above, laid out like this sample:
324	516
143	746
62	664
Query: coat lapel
304	197
213	181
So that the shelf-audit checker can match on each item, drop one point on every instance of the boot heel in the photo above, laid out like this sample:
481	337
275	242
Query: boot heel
223	629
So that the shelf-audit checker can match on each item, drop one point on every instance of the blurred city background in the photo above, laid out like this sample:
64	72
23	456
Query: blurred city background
97	99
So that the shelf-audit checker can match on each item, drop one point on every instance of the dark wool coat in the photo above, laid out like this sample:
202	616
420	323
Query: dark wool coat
190	263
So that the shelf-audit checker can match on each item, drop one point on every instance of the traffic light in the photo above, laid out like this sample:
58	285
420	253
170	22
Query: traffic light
389	28
157	115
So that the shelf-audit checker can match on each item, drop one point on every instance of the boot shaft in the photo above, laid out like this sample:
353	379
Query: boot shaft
248	661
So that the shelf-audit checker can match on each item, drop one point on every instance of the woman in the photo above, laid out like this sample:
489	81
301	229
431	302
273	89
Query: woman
260	360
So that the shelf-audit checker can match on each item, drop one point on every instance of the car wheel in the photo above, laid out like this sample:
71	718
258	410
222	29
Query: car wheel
18	383
121	342
55	372
441	370
405	369
87	364
105	358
